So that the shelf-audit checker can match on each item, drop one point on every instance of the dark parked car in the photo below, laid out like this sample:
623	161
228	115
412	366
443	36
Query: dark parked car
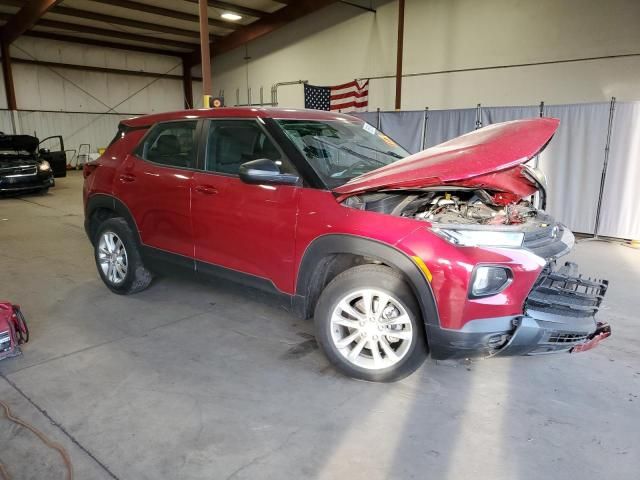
26	168
394	255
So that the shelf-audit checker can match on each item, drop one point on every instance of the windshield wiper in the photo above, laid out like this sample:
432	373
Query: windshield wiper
388	152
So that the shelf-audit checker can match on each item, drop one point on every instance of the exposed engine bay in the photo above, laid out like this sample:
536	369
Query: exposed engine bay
452	205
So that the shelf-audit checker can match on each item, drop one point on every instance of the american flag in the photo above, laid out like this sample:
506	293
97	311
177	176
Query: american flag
348	97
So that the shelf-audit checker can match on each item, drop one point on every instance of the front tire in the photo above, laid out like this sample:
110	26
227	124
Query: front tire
368	324
118	258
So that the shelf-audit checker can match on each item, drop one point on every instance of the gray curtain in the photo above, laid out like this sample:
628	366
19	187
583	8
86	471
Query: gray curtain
573	163
444	125
406	128
620	213
370	117
491	115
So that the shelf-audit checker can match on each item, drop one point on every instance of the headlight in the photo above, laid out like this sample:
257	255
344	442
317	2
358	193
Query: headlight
481	238
44	166
489	280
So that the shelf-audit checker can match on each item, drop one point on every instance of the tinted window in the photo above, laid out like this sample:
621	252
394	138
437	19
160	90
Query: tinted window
171	143
234	142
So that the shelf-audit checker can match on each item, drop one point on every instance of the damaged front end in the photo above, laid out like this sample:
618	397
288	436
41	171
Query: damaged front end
478	192
559	315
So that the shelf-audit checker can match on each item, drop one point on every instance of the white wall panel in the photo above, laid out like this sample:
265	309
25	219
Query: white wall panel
75	128
6	125
340	43
60	89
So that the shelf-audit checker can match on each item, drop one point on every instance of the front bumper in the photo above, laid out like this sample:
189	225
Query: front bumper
559	316
26	182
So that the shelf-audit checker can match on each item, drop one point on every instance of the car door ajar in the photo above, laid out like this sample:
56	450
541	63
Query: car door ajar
241	227
54	154
155	184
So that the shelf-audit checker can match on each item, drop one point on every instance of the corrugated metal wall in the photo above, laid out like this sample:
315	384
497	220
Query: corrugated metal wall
85	107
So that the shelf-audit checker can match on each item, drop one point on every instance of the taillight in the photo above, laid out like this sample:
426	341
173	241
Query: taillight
88	169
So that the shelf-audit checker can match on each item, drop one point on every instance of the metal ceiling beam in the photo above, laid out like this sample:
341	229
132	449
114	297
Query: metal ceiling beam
165	12
134	37
251	12
101	43
265	25
127	22
75	27
356	5
87	68
25	19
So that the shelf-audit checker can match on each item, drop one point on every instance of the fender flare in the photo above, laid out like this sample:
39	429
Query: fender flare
330	244
109	202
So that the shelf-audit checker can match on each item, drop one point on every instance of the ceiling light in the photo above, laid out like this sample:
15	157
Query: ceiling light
231	16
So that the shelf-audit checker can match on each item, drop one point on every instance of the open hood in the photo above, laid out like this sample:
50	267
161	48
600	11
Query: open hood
17	143
490	157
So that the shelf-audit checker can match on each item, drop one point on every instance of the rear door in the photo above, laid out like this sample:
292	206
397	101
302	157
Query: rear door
155	184
52	150
244	228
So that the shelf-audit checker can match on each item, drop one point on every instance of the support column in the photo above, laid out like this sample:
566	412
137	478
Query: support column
399	54
8	77
204	52
187	84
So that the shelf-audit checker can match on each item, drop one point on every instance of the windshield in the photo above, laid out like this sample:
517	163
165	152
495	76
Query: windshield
339	150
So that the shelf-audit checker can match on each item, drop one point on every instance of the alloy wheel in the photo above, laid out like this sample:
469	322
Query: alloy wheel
112	257
371	329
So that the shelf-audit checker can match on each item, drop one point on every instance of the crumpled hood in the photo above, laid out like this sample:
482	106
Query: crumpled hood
490	157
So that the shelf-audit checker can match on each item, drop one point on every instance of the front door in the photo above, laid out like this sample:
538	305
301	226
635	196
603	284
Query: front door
155	184
248	229
51	149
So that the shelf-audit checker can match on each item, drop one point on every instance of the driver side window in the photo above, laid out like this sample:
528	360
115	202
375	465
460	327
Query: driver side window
231	143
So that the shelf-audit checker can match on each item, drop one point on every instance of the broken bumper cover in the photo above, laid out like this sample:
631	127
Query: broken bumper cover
559	316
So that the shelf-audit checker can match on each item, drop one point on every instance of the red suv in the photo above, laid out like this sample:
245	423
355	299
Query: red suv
394	255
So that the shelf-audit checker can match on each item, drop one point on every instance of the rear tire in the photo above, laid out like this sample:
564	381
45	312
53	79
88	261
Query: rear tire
382	342
118	258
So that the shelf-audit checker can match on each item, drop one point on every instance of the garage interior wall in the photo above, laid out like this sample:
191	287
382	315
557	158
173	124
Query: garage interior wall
84	106
341	42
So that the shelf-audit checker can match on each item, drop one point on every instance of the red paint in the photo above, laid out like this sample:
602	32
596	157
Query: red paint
265	230
249	228
491	157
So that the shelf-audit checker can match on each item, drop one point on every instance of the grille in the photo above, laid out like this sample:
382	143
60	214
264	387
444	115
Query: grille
559	337
545	241
563	293
20	170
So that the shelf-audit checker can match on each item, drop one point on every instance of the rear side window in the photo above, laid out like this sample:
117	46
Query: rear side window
171	143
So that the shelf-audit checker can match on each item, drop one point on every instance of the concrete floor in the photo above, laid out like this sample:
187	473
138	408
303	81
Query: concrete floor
199	381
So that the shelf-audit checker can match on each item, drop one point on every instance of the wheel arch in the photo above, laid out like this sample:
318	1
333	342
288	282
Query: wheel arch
101	207
330	255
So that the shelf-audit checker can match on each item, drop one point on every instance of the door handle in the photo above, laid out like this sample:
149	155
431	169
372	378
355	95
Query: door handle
206	190
127	177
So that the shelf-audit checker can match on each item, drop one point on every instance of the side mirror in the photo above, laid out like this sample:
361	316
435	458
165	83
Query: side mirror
265	172
43	151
